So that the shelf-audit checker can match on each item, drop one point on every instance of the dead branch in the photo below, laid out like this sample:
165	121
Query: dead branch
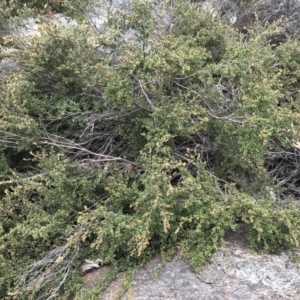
24	179
144	93
47	275
283	163
69	146
9	139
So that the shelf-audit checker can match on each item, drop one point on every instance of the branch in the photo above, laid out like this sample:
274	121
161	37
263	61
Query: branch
50	272
9	139
186	88
71	147
144	93
227	118
34	177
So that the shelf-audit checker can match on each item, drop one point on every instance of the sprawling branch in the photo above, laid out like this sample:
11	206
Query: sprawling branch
77	150
20	179
284	166
144	93
47	275
9	139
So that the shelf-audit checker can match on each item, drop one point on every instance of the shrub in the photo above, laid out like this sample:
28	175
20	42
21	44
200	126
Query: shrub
37	6
137	139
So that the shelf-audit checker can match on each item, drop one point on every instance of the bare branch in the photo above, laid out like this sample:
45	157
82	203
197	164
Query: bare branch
144	93
9	139
69	146
18	180
47	275
226	118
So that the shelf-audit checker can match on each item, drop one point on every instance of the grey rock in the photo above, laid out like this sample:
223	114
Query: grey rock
7	65
234	273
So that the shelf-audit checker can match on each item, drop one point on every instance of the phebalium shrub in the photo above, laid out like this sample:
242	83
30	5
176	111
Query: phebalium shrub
37	6
144	137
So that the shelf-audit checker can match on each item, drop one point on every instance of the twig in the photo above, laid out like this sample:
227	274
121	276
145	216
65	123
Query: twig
144	93
23	179
71	147
227	118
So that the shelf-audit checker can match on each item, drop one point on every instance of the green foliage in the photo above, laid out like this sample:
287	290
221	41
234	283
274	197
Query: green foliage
37	6
141	139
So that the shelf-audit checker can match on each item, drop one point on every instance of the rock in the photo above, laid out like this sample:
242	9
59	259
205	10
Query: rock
234	273
7	65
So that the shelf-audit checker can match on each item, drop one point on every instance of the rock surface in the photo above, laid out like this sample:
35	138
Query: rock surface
235	273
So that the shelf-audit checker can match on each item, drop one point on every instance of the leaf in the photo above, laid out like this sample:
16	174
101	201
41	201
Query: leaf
90	264
297	145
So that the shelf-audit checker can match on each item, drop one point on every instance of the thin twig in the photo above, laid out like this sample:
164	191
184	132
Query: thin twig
144	93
